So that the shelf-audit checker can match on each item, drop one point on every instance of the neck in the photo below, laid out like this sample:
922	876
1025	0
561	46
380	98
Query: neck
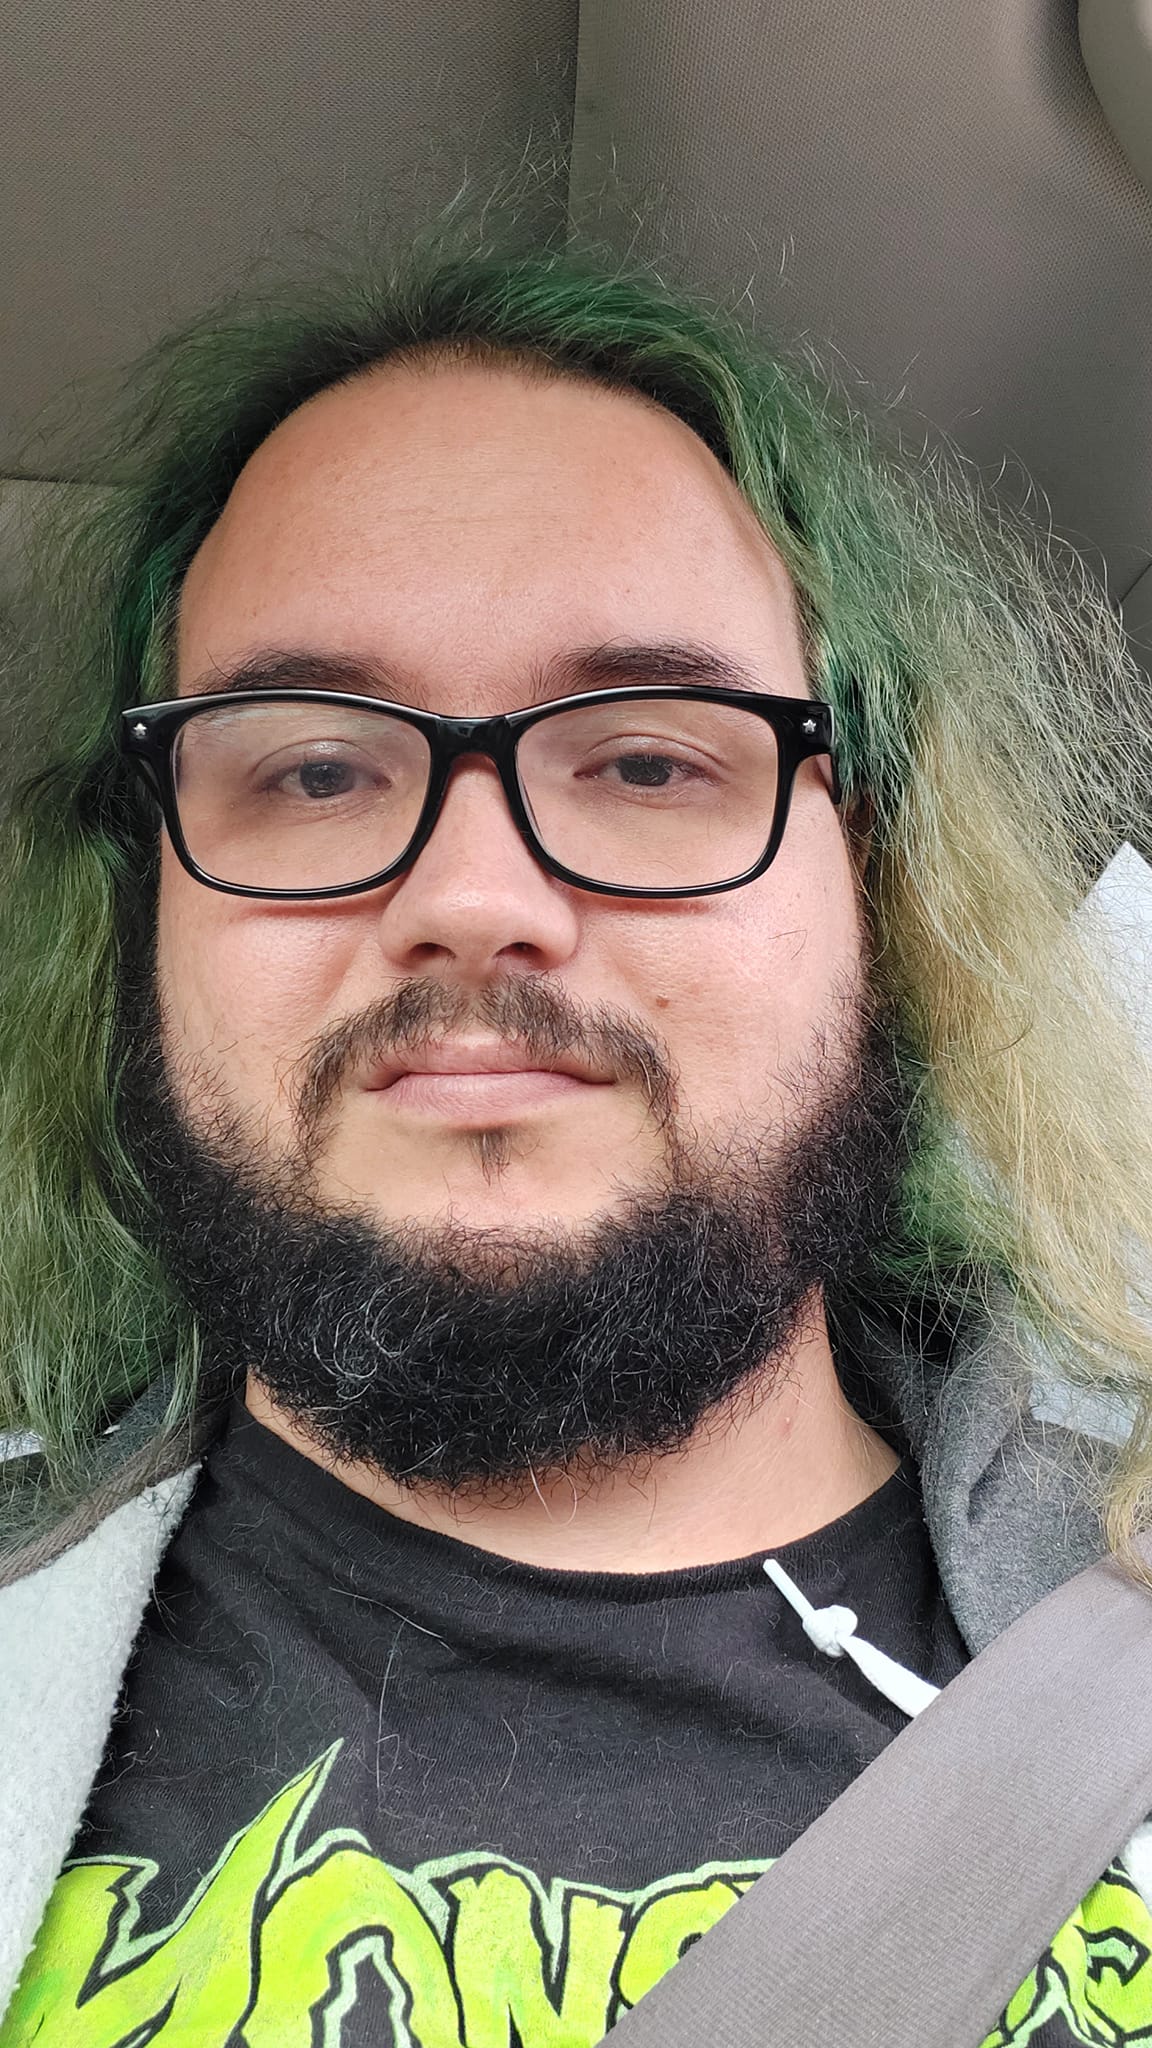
777	1470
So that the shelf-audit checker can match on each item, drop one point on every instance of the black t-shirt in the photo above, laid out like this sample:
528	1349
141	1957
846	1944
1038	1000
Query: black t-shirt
374	1788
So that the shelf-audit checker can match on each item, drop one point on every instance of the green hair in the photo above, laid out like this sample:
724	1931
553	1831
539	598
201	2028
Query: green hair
991	721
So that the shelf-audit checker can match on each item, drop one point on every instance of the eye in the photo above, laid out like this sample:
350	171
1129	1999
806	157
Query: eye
649	771
325	778
647	764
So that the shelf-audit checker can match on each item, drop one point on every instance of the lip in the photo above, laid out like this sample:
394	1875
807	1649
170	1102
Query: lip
480	1098
475	1082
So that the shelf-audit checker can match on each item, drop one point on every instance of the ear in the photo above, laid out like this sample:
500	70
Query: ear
859	828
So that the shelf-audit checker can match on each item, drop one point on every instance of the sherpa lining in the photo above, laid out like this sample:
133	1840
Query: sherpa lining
68	1633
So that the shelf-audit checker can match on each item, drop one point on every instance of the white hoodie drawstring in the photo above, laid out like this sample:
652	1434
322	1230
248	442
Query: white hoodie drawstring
833	1630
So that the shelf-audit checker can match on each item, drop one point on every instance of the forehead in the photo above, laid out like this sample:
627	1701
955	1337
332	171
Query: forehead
465	524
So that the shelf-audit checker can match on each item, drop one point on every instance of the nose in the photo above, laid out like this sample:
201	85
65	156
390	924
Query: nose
476	902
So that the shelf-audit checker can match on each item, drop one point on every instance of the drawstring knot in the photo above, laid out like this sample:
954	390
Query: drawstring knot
829	1628
833	1631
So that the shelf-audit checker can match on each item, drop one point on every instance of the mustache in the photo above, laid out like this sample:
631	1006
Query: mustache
530	1013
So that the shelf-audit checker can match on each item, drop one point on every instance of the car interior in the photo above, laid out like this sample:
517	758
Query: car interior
952	206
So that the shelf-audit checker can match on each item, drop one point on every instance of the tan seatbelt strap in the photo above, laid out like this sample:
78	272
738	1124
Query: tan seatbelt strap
911	1912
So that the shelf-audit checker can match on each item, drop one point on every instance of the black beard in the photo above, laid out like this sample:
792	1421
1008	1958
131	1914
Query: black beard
475	1362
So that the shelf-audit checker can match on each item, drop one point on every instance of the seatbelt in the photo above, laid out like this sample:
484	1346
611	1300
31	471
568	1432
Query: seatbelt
914	1908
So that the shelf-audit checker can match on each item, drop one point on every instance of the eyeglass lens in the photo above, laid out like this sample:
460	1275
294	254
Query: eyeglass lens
646	793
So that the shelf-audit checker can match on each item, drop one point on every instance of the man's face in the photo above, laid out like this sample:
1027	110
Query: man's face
467	529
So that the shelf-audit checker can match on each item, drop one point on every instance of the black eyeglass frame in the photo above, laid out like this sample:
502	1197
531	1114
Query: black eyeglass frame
804	727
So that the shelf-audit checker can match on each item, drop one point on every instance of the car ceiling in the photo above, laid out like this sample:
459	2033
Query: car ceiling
930	196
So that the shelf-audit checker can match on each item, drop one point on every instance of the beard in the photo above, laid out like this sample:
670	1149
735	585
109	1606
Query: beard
479	1361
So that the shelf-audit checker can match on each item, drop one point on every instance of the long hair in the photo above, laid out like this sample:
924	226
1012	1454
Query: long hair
990	719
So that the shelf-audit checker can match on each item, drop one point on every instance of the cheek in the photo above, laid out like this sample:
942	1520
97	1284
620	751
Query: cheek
741	985
240	983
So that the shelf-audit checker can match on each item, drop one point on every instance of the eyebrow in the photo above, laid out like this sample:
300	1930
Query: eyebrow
286	668
612	664
664	661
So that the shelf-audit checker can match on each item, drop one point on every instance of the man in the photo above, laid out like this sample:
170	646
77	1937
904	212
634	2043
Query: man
545	1042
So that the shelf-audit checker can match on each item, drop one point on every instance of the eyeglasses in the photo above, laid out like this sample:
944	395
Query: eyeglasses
674	790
